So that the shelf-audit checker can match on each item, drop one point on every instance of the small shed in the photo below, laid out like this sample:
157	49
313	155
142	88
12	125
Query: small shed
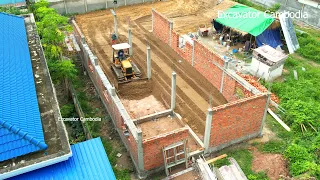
267	62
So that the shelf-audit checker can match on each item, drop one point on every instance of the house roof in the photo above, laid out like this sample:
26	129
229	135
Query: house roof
20	124
89	161
5	2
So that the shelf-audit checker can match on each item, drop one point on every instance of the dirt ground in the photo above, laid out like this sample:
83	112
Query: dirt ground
193	90
143	107
159	126
273	164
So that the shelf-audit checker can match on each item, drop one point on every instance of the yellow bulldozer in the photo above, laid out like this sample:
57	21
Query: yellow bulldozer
122	65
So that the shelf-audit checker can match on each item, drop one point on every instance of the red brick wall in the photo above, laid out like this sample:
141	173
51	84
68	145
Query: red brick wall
204	58
237	119
161	27
152	147
229	88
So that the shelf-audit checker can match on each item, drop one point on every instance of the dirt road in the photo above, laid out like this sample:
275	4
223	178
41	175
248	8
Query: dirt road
193	90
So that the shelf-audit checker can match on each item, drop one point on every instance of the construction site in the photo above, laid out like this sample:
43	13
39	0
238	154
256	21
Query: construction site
174	89
185	103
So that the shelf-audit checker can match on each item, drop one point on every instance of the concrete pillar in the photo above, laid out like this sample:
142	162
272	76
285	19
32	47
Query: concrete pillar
265	113
65	6
115	22
130	41
207	132
173	90
140	151
106	4
193	51
86	5
113	91
148	62
96	62
170	33
226	64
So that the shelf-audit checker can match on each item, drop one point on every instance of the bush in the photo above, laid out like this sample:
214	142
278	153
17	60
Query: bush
309	47
300	159
67	110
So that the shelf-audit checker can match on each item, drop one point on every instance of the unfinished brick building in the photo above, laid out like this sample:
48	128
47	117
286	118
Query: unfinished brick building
242	118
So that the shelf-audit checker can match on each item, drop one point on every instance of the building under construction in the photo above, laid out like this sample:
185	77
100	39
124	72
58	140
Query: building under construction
187	102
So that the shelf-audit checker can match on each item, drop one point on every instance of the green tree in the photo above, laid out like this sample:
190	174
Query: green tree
61	70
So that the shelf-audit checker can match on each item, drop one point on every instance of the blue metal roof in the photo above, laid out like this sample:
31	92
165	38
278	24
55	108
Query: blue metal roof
89	161
20	124
5	2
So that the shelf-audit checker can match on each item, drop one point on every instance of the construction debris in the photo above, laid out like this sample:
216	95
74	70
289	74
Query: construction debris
216	158
253	81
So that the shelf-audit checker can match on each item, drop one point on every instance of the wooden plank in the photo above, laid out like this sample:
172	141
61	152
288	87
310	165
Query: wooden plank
279	120
216	158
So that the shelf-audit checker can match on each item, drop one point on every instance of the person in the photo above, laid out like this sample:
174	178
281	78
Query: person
121	55
217	26
114	38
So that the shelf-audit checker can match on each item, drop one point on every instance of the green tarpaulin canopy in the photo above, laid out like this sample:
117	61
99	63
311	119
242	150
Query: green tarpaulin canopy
245	19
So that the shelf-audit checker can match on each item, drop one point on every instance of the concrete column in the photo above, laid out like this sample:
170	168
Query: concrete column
86	5
65	6
170	33
130	41
140	151
113	91
207	132
265	113
226	64
115	22
106	4
193	48
148	62
173	90
96	62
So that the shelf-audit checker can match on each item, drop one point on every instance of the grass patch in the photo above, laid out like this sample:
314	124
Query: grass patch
301	101
221	162
274	146
309	46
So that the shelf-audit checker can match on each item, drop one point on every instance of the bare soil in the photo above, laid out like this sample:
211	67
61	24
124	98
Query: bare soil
193	90
143	107
159	126
273	164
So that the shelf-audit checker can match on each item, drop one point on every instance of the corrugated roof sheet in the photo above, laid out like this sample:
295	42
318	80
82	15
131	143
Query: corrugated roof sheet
20	124
89	161
4	2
